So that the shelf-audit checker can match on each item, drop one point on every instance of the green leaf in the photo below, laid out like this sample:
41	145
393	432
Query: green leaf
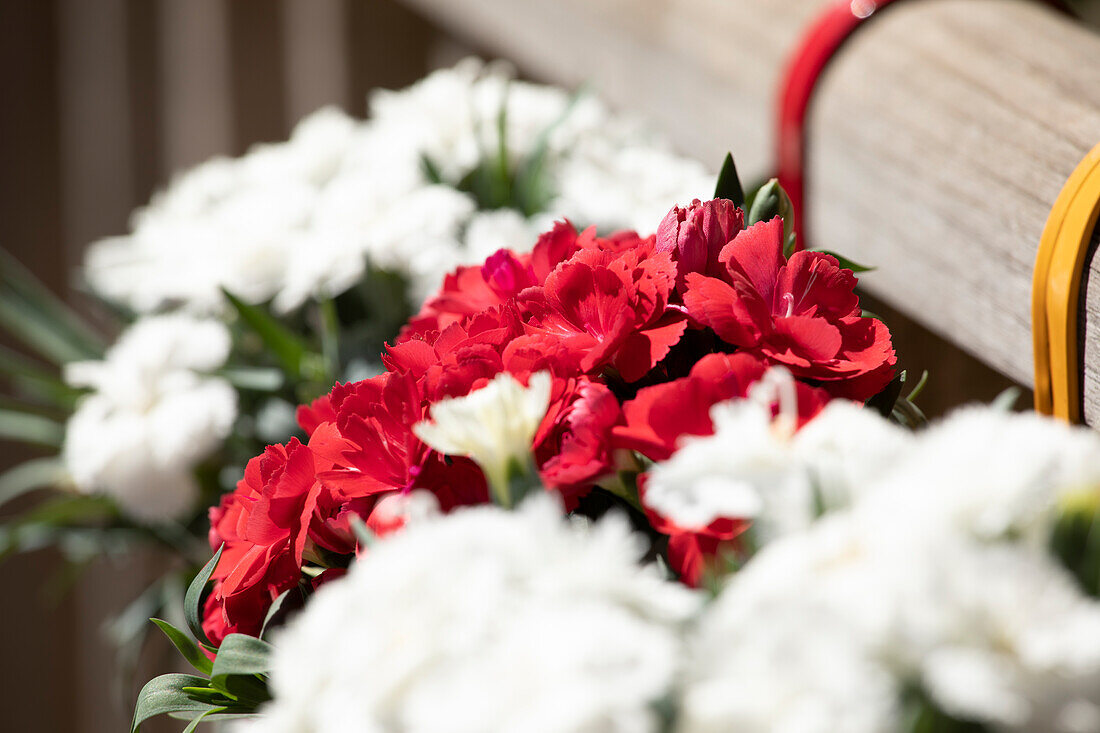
884	401
255	379
33	429
919	388
330	338
165	694
362	532
206	694
290	350
790	246
729	183
70	509
502	176
845	262
240	661
33	474
1006	400
192	600
199	718
908	414
183	643
532	191
241	654
31	378
431	170
769	202
41	320
277	606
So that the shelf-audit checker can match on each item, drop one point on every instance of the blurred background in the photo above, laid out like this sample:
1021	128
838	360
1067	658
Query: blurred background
102	100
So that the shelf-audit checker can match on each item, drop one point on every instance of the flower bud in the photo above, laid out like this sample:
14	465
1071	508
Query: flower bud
772	201
696	234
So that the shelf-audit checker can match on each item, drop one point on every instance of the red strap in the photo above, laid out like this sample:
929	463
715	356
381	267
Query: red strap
818	47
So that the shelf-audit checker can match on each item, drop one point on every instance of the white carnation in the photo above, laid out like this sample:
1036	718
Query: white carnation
790	644
484	620
293	220
992	474
494	425
752	468
151	415
1010	640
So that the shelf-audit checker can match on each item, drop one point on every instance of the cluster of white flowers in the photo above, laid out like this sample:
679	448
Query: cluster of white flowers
485	620
153	412
753	466
295	219
938	577
923	570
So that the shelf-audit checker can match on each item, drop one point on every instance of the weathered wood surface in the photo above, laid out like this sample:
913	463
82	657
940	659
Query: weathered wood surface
941	139
704	70
941	135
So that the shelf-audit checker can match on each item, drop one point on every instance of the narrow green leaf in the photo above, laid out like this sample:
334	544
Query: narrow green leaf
198	719
502	176
790	246
208	694
34	429
532	189
362	532
769	202
183	643
1006	400
287	347
885	400
431	170
276	606
330	337
12	363
919	388
165	694
908	414
32	379
41	320
241	654
192	600
845	262
70	509
729	183
255	379
240	662
34	474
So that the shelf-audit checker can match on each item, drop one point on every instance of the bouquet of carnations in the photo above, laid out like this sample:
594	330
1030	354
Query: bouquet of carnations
629	483
253	284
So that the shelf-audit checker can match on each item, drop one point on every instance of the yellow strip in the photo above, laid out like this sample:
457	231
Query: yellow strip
1056	288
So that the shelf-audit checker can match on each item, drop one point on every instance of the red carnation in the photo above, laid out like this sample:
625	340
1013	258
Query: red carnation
610	308
660	415
264	528
573	445
802	313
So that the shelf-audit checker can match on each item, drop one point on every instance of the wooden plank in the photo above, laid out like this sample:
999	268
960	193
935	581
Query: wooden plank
38	630
257	90
704	70
315	56
388	45
98	191
941	139
196	104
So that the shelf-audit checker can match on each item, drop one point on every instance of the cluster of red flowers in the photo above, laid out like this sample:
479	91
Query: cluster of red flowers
641	335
